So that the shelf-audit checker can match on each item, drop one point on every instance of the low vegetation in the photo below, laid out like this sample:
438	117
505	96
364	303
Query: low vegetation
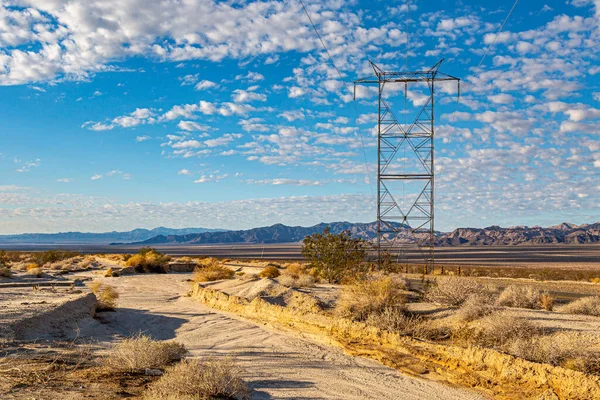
148	260
269	272
140	352
303	281
52	256
374	295
474	307
200	379
107	296
520	296
452	291
586	306
212	271
336	258
5	272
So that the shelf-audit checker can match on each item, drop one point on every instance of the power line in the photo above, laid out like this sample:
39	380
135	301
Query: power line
497	33
347	88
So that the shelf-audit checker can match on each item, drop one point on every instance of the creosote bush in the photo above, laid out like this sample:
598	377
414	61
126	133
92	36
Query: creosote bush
52	256
141	351
269	272
148	260
585	305
497	330
107	296
198	380
212	271
521	297
302	281
453	291
336	257
370	296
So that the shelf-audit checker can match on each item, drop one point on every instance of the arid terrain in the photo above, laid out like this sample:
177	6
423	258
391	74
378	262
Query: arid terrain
288	334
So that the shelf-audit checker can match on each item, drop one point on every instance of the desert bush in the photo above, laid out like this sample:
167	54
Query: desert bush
335	257
520	296
496	330
5	272
198	380
148	260
547	301
269	272
37	272
141	351
370	296
455	291
476	306
107	296
561	349
301	282
213	272
110	273
32	266
585	305
52	256
85	264
295	270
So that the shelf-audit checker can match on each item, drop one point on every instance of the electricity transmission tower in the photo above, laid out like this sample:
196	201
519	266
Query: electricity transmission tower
405	161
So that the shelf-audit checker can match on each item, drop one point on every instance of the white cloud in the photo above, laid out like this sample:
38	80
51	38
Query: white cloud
245	96
143	138
285	181
296	91
251	76
502	98
96	177
64	180
26	166
191	126
205	84
184	172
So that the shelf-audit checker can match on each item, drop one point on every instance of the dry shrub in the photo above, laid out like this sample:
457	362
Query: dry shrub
595	280
269	272
520	296
546	301
303	303
198	380
454	291
141	351
213	272
32	266
585	305
107	296
496	330
295	270
370	296
208	261
37	272
85	264
5	272
301	282
561	349
148	260
476	306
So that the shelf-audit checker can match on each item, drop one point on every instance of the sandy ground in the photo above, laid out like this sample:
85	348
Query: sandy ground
278	365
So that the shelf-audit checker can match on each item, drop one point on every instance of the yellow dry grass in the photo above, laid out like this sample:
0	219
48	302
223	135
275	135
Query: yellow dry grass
141	351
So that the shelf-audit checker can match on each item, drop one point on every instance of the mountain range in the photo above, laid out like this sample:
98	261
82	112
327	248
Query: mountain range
494	235
135	235
564	233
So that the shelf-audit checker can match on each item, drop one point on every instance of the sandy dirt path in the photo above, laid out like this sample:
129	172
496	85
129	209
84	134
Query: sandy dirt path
278	365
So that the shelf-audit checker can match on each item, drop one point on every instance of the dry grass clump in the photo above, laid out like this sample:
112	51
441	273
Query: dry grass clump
107	296
296	283
213	272
370	296
476	306
5	272
141	351
562	349
295	270
148	260
198	380
35	270
521	297
585	305
111	273
269	272
455	291
497	330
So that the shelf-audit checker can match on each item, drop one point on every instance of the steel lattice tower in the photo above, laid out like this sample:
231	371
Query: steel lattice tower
405	156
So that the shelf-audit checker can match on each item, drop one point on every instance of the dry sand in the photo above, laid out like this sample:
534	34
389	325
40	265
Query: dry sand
278	365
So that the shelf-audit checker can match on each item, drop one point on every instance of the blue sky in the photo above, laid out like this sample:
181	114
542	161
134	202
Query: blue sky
124	114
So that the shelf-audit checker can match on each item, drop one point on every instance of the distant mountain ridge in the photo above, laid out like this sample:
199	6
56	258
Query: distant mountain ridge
564	233
99	238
